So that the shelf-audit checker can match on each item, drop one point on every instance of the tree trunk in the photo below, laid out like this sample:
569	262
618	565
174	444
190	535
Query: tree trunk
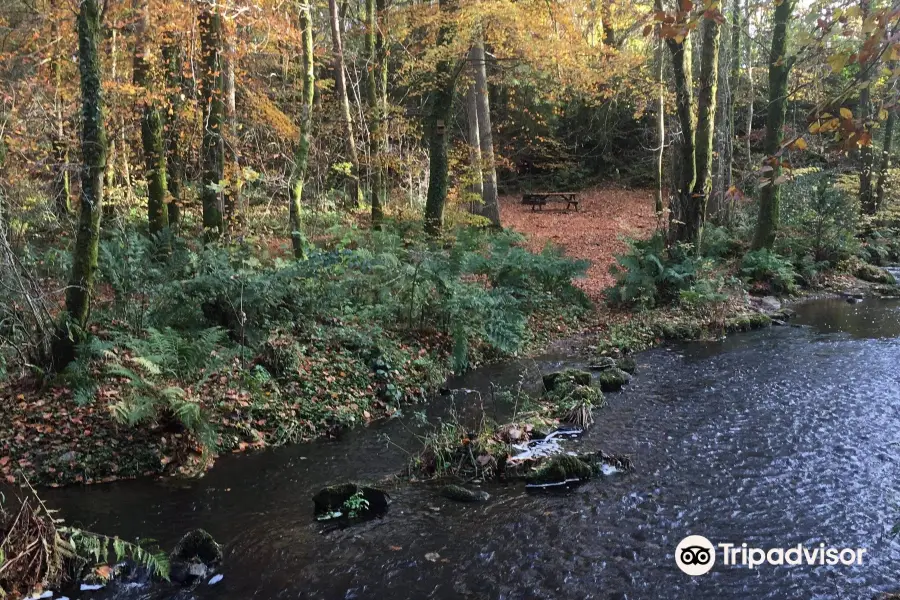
491	206
733	85
686	175
62	199
866	156
477	188
93	152
436	129
751	97
151	126
301	156
340	88
173	55
660	131
779	68
232	198
113	154
695	216
885	157
213	146
375	71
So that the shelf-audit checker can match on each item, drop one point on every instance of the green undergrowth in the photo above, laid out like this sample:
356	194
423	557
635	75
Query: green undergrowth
224	347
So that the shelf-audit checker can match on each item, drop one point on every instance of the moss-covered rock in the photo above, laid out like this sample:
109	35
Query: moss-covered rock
461	494
280	356
873	274
192	557
602	363
680	330
627	364
334	499
747	322
560	469
611	380
570	376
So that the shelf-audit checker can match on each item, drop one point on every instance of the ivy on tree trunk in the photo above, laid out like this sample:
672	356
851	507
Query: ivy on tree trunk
213	146
93	156
301	156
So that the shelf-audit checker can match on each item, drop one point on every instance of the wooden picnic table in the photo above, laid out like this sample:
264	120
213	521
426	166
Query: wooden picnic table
539	199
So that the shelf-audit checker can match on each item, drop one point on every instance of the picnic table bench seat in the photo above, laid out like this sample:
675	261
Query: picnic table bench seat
539	199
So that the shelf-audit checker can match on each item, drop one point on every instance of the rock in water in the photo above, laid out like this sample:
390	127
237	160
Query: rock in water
611	380
461	494
627	364
193	556
333	498
576	376
561	469
602	362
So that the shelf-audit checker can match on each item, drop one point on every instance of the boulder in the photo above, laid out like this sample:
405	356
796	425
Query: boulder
614	379
461	494
627	364
561	469
576	376
332	499
874	274
193	556
602	363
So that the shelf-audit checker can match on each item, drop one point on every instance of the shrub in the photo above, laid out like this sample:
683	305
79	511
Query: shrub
769	271
650	274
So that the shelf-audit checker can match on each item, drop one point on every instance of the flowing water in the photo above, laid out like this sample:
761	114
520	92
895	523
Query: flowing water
774	438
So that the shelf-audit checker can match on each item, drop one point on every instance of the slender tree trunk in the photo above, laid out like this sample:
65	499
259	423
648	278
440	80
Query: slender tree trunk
866	156
885	156
779	69
118	152
752	95
477	187
151	126
213	146
680	208
436	129
62	199
706	116
340	88
93	151
301	157
173	55
233	190
660	130
374	72
491	206
733	85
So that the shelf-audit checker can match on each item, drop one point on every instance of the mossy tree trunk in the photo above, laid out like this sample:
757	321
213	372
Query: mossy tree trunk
93	156
301	156
231	140
660	131
340	89
375	71
152	139
685	166
695	215
440	109
213	145
491	206
779	68
173	55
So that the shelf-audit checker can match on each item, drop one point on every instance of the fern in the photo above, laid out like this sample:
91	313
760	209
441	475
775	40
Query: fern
93	547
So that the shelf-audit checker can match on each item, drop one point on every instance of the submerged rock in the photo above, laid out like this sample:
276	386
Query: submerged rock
576	376
614	379
339	500
193	556
461	494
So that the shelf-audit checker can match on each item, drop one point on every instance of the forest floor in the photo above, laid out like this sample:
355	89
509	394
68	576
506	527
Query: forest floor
606	216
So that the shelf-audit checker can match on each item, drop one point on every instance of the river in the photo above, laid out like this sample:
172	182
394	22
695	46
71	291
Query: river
773	438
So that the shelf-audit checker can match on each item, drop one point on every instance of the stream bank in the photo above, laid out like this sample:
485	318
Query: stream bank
773	437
